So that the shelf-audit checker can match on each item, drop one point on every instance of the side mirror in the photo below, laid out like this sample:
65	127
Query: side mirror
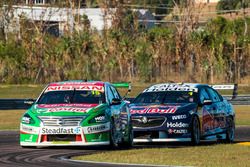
207	102
29	102
115	101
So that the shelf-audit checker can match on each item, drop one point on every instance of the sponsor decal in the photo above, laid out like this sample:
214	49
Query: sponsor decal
177	125
177	131
29	129
153	110
61	130
100	118
221	87
76	87
96	128
176	117
66	105
67	109
170	87
26	120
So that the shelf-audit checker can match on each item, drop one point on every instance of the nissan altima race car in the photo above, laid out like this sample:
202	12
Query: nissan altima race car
77	113
182	112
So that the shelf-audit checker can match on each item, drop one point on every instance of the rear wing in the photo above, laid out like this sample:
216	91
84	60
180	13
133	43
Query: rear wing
233	87
123	85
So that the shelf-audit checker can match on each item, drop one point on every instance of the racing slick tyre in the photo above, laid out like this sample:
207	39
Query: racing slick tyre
195	131
129	142
113	138
230	130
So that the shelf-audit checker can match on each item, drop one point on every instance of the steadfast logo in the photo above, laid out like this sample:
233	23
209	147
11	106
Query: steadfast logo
176	125
61	130
176	117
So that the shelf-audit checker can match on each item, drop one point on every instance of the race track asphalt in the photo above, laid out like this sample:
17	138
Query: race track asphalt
12	155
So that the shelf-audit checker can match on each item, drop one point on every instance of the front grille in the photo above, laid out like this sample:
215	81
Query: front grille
147	122
61	121
65	137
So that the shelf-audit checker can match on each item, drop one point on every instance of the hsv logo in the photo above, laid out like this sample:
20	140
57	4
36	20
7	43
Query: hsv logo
153	110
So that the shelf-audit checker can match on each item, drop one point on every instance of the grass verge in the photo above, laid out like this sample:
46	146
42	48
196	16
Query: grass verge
10	119
212	155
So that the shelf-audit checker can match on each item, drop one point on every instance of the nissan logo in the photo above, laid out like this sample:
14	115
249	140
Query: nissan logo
60	122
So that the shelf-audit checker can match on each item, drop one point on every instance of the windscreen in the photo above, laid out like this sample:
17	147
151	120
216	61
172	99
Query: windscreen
72	96
166	97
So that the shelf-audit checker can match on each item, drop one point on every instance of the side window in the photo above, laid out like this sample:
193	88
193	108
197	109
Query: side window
204	95
115	92
213	94
110	95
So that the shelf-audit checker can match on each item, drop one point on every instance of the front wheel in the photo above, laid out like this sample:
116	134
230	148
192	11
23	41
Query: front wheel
230	130
195	131
129	142
112	137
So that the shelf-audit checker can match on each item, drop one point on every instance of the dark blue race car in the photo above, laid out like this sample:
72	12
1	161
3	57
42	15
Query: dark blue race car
182	112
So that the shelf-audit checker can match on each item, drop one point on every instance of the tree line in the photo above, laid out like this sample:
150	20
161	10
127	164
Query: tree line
213	52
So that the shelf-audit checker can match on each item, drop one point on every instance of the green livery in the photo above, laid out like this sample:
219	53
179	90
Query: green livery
77	113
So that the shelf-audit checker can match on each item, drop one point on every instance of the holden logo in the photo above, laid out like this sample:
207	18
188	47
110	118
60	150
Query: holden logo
144	120
60	122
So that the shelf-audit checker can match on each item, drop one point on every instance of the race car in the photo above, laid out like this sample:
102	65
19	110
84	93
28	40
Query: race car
77	113
182	112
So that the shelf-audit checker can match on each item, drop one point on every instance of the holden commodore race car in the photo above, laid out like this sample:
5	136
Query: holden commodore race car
182	112
77	113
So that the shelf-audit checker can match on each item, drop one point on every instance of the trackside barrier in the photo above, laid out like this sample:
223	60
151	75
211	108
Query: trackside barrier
9	104
227	87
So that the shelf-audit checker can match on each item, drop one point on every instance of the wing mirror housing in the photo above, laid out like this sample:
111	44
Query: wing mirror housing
116	101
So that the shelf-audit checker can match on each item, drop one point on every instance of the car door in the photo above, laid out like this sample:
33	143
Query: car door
207	112
218	111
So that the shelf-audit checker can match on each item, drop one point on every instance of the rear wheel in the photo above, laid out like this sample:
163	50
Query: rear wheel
195	131
230	130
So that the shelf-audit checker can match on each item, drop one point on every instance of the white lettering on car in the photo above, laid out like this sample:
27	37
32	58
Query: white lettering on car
176	117
177	125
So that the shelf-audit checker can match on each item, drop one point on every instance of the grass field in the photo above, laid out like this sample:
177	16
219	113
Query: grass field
217	155
20	91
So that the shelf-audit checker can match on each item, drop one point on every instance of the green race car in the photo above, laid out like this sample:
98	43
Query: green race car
77	113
